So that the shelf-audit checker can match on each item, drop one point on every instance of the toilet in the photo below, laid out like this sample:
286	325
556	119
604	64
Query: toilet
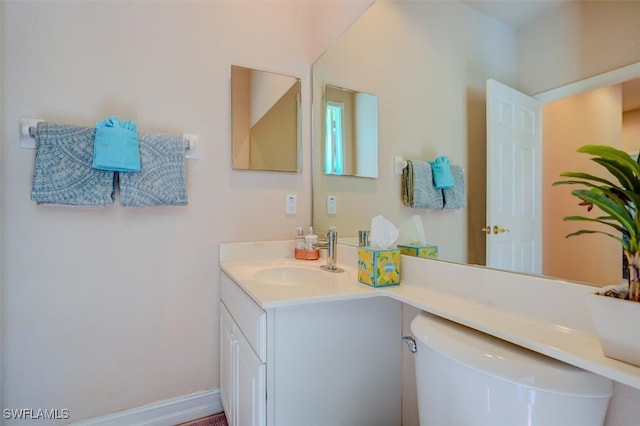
467	378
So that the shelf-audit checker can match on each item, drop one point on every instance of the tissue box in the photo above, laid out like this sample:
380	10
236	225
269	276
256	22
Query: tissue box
378	267
430	252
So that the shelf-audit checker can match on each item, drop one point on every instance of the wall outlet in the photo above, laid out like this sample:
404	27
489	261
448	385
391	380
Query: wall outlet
290	204
332	204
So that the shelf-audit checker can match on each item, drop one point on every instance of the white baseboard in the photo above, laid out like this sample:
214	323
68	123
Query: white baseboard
163	413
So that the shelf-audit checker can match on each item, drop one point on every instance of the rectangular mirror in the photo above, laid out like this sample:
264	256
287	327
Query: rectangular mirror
428	63
350	133
265	120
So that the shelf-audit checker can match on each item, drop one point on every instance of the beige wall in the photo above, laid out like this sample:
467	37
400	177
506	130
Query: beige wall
111	309
631	131
581	40
590	118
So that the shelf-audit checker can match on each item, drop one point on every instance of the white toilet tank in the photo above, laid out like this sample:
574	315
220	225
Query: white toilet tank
467	378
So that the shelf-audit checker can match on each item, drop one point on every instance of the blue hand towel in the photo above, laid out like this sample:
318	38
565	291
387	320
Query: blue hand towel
62	172
162	178
116	146
442	177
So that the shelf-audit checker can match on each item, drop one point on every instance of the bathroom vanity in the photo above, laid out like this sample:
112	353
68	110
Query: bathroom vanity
296	361
300	345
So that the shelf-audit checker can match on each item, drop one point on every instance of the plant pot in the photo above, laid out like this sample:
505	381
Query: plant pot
616	323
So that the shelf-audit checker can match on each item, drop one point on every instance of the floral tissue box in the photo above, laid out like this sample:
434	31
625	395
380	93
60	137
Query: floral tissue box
427	251
378	267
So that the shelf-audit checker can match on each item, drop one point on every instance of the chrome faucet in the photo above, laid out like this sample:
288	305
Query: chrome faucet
331	245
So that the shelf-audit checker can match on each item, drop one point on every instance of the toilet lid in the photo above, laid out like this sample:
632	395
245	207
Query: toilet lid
504	360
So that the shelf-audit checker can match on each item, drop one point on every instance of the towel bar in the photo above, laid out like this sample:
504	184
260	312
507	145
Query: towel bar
28	135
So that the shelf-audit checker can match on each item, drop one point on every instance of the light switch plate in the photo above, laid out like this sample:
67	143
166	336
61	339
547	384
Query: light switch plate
332	204
291	204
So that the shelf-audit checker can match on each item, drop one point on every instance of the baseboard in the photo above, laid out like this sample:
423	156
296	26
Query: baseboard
163	413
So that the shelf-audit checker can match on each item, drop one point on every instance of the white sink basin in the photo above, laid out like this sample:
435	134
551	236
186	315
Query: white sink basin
292	275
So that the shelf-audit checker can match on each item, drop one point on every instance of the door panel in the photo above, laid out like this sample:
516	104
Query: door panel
514	180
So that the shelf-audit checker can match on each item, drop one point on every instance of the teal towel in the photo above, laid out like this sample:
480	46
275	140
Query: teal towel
115	146
442	176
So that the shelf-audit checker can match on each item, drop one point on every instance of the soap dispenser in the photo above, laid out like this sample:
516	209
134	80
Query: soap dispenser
311	239
299	242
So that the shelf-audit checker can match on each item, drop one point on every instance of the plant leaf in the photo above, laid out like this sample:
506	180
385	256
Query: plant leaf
610	153
623	243
619	202
580	175
611	205
601	220
624	175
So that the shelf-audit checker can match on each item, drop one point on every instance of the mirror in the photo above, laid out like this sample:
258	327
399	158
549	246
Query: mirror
430	81
265	120
350	132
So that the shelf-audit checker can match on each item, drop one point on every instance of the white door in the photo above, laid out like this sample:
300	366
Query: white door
514	180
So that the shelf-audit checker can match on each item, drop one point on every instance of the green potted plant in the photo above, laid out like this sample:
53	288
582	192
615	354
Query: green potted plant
620	204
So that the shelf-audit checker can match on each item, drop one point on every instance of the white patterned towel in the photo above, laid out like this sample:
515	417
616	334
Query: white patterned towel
418	188
63	174
161	180
456	197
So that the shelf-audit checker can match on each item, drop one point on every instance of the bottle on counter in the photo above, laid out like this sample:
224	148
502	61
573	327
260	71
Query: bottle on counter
311	239
300	242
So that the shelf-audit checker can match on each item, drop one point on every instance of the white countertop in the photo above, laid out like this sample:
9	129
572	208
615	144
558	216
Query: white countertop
336	287
538	325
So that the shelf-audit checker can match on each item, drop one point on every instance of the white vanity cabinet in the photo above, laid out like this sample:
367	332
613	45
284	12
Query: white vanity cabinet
321	363
243	380
242	357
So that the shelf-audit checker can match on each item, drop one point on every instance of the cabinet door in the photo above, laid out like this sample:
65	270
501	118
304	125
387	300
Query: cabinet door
247	315
251	386
228	365
336	363
242	376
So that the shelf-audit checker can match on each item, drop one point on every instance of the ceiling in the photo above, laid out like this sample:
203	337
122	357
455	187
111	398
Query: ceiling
518	13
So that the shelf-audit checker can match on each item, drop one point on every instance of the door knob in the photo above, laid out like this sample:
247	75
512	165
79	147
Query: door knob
486	229
499	230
